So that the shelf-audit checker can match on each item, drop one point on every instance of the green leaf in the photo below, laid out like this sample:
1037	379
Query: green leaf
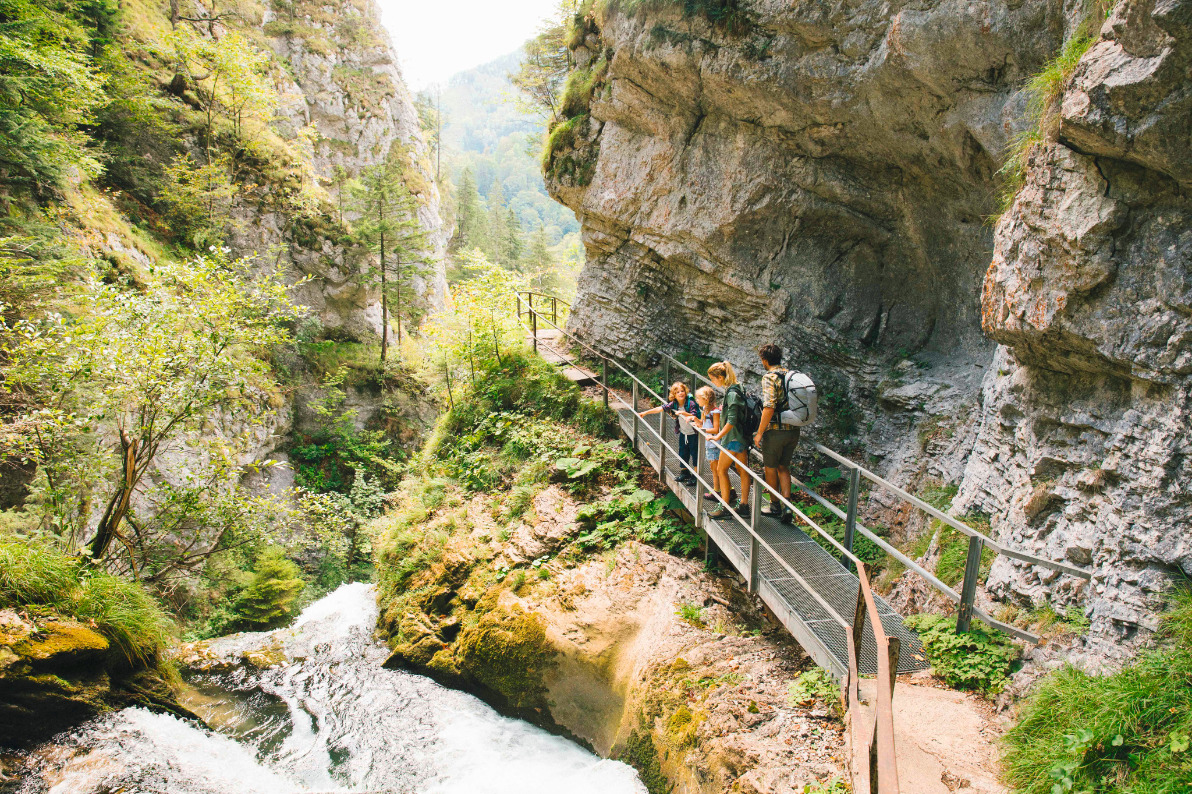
640	497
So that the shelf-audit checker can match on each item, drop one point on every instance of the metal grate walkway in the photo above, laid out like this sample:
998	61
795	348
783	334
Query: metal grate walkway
820	634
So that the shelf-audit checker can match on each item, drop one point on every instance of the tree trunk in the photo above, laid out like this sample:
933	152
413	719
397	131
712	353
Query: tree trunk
109	525
384	296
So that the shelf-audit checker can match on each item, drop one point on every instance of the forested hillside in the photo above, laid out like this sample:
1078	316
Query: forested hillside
490	142
218	222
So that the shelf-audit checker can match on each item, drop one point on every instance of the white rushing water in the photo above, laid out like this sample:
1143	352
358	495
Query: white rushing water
332	719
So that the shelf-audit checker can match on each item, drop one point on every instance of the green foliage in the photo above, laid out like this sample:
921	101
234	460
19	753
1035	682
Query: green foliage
730	17
836	785
271	598
692	613
34	574
154	363
629	513
581	85
814	684
566	155
47	90
1123	733
1044	92
981	659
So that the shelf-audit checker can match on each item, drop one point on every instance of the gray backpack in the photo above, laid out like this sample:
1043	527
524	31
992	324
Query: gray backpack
801	399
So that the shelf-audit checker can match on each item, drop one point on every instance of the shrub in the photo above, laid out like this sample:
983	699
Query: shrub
271	598
816	683
634	514
33	574
979	659
1125	732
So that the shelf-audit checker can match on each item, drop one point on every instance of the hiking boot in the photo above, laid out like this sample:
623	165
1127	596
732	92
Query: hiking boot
772	511
719	513
711	497
788	516
742	509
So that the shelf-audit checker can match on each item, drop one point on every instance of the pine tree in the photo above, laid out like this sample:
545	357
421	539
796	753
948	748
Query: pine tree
388	225
496	225
512	244
470	231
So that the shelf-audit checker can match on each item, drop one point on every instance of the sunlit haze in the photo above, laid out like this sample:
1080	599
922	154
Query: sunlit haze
437	38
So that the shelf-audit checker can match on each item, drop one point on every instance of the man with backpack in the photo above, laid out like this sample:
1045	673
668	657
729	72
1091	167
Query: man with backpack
776	438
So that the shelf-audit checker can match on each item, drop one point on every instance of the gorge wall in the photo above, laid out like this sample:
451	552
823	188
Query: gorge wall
822	174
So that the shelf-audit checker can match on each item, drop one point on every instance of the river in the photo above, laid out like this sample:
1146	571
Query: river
329	719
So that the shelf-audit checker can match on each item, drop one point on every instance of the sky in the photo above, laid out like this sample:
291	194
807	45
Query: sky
438	38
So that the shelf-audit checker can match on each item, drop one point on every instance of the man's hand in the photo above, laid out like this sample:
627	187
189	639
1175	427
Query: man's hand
757	439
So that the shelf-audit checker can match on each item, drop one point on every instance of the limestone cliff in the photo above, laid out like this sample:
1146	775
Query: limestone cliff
822	174
1083	450
342	83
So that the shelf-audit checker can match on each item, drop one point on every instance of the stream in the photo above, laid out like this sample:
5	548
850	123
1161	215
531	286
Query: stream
329	719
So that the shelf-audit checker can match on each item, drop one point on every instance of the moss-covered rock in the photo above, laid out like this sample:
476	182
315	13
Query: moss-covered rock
61	643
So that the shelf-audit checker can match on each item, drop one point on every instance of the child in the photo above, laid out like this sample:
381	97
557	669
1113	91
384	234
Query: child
684	409
705	396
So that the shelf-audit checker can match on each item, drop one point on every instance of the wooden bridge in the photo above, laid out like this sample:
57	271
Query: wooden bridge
826	603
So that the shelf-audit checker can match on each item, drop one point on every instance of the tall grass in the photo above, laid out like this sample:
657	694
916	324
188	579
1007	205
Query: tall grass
1044	92
1126	733
33	574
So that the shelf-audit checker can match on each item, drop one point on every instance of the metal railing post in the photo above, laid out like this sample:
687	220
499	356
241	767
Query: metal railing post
662	447
894	646
519	311
700	441
636	418
972	569
534	327
850	521
604	379
755	514
554	310
666	376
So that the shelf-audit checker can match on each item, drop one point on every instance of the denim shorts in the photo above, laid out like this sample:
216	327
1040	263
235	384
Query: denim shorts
711	451
733	446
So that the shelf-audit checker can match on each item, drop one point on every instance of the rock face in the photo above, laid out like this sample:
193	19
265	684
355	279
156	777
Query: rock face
821	178
56	672
820	174
345	92
1083	450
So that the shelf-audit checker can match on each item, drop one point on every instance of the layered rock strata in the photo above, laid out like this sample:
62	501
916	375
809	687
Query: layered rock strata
1083	450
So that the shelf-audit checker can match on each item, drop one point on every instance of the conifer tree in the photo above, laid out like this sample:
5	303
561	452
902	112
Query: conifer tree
469	222
497	231
388	226
512	244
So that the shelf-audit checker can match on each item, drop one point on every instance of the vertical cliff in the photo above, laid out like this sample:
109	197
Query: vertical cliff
343	92
823	174
1083	451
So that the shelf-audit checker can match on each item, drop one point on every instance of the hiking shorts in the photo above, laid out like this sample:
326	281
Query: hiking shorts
778	447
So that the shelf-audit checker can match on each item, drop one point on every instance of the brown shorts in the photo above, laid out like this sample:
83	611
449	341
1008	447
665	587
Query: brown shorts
778	447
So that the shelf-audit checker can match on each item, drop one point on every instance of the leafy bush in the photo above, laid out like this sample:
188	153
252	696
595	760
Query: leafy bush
979	659
816	683
33	574
635	514
1116	734
271	598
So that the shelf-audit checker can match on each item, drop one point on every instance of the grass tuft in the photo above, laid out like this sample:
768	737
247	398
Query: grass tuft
33	574
1125	732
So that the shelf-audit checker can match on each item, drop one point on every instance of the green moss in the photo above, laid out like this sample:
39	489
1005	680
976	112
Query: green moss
507	651
34	574
60	641
364	87
641	754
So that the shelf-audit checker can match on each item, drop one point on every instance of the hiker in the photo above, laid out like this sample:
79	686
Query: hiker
730	437
709	408
776	439
684	409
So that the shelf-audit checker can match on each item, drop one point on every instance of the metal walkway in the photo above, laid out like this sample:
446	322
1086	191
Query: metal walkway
829	608
804	616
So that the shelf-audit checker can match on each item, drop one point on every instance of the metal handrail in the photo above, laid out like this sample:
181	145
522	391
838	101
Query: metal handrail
881	745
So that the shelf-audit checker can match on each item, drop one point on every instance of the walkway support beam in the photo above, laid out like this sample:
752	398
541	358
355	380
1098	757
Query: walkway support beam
968	593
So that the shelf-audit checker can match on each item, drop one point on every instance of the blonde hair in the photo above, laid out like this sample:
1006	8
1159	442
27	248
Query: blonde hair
723	369
708	394
674	387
